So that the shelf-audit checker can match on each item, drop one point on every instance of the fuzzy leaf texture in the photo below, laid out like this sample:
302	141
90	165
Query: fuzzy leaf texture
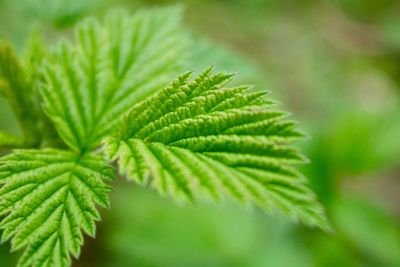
200	139
47	198
112	65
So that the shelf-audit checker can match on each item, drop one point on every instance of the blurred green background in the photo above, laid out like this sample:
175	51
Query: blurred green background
334	64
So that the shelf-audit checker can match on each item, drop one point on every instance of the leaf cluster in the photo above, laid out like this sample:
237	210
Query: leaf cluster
107	97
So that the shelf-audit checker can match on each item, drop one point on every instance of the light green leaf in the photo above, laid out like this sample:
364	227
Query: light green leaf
14	86
198	138
47	198
11	141
110	67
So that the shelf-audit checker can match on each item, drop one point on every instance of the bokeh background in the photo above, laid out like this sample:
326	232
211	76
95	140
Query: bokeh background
334	64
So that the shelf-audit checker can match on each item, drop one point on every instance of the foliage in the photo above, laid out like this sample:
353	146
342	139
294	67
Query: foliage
198	137
335	65
49	196
188	139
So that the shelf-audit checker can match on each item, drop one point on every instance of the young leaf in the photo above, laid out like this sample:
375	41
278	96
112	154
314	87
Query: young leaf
111	66
47	198
15	87
200	138
35	55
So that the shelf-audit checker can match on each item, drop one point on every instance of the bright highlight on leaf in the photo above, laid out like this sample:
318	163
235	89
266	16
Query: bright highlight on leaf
200	138
111	66
48	197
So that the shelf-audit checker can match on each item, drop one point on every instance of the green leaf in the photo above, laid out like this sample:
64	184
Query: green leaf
47	198
14	86
199	139
110	67
35	55
11	141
